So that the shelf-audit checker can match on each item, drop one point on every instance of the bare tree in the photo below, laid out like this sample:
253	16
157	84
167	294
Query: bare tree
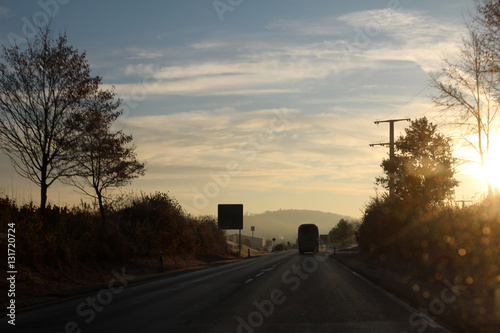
488	20
467	93
488	17
42	86
105	159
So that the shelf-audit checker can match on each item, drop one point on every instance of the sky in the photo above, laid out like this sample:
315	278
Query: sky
270	104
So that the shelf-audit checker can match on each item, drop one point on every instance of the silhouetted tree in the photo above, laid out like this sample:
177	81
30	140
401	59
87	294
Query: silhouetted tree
423	165
343	232
42	87
105	159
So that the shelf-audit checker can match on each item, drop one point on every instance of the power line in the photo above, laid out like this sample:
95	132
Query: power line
421	91
408	101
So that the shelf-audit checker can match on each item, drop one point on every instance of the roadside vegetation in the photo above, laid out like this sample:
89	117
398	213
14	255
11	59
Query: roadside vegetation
420	232
141	228
428	250
414	226
72	239
343	233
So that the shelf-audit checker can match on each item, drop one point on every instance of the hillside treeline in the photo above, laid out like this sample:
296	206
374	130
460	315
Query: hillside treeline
142	227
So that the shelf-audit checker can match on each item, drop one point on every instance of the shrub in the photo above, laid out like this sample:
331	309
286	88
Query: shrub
447	242
141	228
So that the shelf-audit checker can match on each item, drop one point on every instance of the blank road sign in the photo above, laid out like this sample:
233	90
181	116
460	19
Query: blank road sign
230	216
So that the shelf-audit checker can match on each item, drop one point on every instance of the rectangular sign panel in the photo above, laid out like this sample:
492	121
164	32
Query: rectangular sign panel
230	216
324	239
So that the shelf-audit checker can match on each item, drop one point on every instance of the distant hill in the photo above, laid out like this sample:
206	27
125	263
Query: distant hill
283	224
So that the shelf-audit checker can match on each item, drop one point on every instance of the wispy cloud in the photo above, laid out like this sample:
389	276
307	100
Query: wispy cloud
257	67
304	149
403	36
400	24
262	76
316	151
209	45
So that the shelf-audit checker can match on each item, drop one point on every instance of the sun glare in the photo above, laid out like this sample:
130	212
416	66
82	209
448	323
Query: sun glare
491	170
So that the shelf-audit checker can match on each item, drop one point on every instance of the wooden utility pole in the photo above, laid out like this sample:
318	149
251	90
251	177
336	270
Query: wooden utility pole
391	147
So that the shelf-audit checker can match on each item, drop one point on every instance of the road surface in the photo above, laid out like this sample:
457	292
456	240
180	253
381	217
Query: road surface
283	292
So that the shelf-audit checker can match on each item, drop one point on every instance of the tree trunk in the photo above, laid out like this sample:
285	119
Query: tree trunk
43	197
43	189
101	209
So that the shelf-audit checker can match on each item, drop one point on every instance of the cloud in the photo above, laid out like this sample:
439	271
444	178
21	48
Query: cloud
272	148
400	24
323	148
402	36
264	75
209	45
355	42
135	53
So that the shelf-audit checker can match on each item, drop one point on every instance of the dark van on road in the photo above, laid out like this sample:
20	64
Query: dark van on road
308	240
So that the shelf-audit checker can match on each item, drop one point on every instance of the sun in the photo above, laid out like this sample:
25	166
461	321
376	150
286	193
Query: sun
492	168
490	172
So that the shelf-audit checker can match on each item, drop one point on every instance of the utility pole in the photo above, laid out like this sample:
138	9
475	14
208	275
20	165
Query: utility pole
253	229
391	147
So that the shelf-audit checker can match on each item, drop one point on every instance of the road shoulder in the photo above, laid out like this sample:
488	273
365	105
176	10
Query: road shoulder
447	301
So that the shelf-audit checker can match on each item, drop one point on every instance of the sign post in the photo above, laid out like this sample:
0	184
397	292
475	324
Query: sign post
230	216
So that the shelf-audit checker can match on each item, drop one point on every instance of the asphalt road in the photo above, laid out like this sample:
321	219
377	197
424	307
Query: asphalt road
283	292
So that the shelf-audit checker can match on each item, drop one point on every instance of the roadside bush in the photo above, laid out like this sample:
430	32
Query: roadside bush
446	243
384	226
141	228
